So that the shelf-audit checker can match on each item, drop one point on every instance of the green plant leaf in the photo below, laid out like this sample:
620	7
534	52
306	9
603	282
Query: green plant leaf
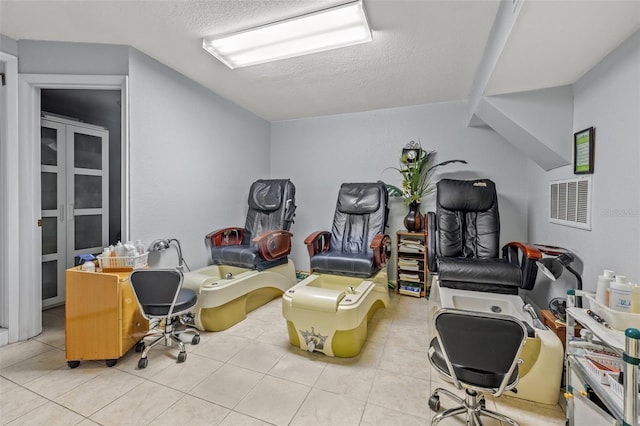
417	177
393	190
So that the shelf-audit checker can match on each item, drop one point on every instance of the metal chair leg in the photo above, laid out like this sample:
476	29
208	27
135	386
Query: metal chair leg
448	413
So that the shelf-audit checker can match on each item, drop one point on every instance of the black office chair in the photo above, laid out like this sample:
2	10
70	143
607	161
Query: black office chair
163	302
357	244
478	352
464	238
265	240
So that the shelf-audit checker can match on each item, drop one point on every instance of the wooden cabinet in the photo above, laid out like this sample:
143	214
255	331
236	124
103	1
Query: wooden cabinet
102	318
411	263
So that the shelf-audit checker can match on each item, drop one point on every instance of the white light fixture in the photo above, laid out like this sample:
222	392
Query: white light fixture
332	28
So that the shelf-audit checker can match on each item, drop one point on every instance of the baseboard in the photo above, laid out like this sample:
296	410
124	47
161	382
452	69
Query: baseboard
4	336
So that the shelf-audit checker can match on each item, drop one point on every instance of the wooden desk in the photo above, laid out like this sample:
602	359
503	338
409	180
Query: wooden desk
102	317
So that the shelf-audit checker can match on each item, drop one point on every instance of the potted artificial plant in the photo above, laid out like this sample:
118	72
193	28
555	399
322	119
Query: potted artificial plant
416	168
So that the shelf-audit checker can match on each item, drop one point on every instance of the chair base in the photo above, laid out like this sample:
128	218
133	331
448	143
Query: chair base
473	405
329	313
543	355
168	332
226	294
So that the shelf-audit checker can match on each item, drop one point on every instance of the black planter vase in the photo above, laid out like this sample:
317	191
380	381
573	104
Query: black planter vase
414	221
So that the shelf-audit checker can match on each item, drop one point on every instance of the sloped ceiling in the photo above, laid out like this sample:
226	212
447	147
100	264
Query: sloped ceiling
424	51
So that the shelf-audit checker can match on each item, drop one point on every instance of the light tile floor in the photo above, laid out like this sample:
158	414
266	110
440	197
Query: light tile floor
246	375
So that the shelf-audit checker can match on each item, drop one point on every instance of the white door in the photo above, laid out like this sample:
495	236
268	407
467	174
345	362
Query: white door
74	197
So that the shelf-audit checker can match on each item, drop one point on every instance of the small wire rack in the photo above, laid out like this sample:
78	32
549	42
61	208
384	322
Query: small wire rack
117	263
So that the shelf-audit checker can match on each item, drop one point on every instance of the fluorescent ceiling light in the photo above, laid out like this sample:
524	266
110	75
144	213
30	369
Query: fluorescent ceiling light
332	28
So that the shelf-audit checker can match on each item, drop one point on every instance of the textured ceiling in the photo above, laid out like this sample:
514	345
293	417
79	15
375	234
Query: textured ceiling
424	51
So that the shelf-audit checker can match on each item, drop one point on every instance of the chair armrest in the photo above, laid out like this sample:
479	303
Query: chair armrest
526	256
381	246
431	227
318	242
231	236
530	251
274	244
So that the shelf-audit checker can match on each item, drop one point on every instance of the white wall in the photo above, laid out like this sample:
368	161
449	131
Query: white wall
608	98
8	45
319	154
193	154
54	57
546	114
193	157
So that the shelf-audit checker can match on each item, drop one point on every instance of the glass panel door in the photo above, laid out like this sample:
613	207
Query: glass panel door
88	191
74	179
53	205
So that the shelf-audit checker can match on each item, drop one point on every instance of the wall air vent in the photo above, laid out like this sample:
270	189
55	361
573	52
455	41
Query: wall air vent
570	202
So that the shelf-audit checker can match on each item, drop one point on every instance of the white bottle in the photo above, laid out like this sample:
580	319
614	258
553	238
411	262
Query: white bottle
620	294
604	281
129	249
89	266
140	247
119	249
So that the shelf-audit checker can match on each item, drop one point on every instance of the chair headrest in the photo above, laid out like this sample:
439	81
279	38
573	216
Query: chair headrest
266	195
467	195
359	198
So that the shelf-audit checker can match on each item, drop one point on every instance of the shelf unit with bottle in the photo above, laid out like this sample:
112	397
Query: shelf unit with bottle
595	362
411	263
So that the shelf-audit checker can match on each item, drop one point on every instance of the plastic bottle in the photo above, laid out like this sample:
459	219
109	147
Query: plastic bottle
604	281
635	299
89	266
620	294
119	249
140	247
129	249
87	262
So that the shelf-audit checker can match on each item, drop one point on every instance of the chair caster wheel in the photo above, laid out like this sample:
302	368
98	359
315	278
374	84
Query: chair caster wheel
111	362
73	364
195	340
182	356
139	346
483	403
142	363
434	402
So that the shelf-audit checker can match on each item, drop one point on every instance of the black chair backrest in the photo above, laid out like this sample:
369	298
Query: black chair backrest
361	213
156	289
479	342
271	207
467	217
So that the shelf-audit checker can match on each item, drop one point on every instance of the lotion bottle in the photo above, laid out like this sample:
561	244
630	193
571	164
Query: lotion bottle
635	299
620	294
604	281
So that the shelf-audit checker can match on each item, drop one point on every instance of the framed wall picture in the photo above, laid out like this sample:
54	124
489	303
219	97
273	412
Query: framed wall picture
583	145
